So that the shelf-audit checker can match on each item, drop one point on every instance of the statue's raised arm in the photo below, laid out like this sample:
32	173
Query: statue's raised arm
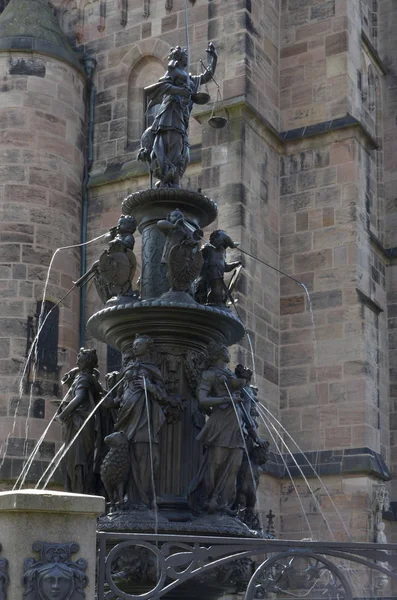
212	62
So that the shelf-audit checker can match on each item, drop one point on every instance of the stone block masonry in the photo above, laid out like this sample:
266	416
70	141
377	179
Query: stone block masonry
329	373
299	205
304	175
41	150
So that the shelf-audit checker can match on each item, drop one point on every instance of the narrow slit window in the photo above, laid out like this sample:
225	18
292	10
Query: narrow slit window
47	343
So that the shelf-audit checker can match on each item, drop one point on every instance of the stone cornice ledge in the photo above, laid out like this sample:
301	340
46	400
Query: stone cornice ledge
352	461
369	302
33	45
133	169
51	502
298	133
390	253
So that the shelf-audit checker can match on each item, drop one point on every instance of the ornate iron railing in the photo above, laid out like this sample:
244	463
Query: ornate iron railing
145	566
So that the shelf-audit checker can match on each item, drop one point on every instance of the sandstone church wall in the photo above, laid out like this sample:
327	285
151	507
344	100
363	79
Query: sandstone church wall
304	176
41	148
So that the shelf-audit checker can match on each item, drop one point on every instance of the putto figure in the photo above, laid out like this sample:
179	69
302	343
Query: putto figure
212	288
181	251
141	397
79	465
115	268
164	145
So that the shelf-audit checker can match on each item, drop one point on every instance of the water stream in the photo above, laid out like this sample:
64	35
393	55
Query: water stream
21	378
281	455
246	452
263	408
156	516
65	450
311	466
252	356
264	419
155	507
41	322
26	467
59	451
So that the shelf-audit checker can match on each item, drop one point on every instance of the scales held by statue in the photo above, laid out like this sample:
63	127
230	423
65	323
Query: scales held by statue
164	145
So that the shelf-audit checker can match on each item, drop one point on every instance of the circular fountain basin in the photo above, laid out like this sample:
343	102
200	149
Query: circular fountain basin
156	203
187	322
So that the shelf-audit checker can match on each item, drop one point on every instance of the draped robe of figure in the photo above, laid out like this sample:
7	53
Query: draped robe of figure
170	153
142	432
80	463
165	145
214	487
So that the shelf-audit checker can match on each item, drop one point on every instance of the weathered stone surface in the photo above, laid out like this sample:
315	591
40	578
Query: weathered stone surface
302	204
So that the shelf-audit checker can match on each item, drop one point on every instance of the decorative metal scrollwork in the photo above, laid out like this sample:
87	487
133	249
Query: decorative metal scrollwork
143	566
298	574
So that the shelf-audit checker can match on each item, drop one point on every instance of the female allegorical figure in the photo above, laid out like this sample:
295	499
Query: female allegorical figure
165	143
80	464
214	487
141	419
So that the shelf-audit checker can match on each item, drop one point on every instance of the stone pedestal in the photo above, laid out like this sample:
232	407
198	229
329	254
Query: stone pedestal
30	516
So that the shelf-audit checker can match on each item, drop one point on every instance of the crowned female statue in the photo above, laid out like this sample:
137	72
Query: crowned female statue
214	487
79	465
141	398
164	145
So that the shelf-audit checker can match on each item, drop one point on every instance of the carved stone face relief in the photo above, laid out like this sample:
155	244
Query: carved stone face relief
54	575
55	583
3	578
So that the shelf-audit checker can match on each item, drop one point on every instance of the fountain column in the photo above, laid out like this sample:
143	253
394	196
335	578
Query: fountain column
181	329
154	276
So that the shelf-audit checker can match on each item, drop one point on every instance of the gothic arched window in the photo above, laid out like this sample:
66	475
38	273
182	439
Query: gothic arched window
3	4
148	70
69	19
91	19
